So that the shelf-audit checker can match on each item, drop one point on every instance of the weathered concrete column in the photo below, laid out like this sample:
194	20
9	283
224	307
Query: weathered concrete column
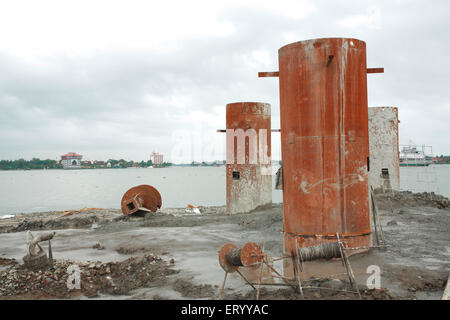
384	171
249	179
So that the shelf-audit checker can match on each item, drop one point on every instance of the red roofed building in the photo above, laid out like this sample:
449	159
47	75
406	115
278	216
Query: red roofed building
71	160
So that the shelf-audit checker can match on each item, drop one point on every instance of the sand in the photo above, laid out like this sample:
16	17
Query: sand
173	254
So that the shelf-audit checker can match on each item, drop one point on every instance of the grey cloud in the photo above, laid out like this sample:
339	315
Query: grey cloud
128	103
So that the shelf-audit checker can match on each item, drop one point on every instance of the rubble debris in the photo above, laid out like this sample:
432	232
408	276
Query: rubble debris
192	209
115	278
7	261
98	246
47	221
68	213
142	198
398	199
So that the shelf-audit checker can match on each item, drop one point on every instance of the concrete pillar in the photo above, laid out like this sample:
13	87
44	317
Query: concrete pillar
249	180
384	171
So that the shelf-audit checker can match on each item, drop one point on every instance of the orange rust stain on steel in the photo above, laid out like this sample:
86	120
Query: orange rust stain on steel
249	184
324	141
251	254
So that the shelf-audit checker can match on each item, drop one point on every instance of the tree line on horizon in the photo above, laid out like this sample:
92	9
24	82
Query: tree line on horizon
36	163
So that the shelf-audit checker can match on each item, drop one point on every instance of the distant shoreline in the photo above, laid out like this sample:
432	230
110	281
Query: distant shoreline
72	169
174	165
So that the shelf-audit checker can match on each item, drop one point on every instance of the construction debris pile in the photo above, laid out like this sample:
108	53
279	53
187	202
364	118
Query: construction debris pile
397	199
52	221
115	278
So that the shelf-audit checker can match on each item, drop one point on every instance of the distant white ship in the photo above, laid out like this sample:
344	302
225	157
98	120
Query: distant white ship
410	156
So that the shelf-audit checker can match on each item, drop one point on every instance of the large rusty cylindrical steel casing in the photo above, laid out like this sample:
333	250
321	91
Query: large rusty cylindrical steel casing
249	180
324	141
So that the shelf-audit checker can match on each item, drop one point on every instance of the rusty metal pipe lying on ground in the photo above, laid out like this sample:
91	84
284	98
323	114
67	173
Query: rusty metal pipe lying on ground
141	198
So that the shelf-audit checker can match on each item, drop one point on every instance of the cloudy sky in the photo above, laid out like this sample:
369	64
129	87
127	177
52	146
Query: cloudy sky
120	79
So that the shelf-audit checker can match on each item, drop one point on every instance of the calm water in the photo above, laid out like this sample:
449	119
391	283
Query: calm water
47	190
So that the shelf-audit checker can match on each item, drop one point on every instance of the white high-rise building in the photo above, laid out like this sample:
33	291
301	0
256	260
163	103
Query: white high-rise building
157	158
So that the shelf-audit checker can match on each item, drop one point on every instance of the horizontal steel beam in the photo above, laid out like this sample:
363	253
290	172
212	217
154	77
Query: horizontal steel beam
375	70
277	74
268	74
273	130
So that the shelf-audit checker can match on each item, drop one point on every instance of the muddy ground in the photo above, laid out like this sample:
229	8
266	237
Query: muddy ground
172	254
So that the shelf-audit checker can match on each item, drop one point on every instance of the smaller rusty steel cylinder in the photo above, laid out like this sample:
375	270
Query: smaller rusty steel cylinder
231	257
249	179
141	198
384	173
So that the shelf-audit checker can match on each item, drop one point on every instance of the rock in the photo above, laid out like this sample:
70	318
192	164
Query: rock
334	284
392	223
98	246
